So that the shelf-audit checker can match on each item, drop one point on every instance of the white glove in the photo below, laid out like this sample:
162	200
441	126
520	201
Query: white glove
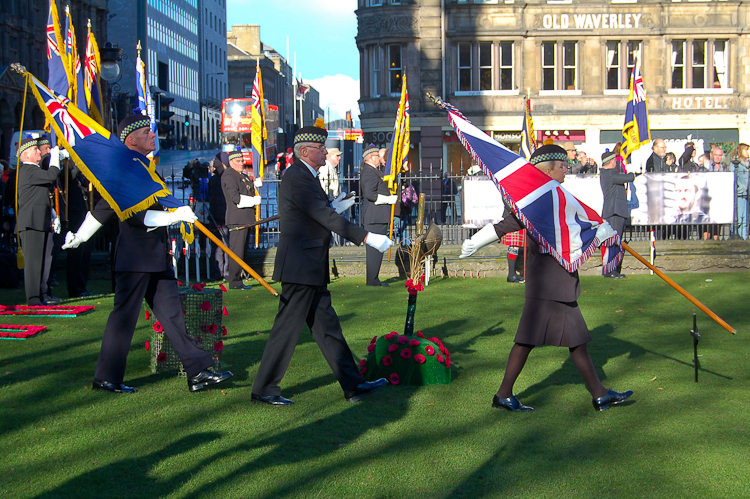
64	154
258	182
485	236
248	201
87	229
155	218
340	204
378	241
56	226
383	199
54	157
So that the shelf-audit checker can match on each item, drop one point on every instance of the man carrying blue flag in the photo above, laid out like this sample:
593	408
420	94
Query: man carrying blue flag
143	269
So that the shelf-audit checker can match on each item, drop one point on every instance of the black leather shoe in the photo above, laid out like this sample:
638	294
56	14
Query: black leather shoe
52	300
611	398
86	294
112	387
516	278
364	389
615	275
270	399
205	378
385	285
511	403
244	286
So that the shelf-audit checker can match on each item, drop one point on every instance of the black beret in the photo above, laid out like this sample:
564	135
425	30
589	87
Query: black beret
311	134
607	157
27	143
549	152
131	124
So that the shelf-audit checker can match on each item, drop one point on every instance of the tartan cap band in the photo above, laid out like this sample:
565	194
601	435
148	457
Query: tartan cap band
43	140
27	143
549	152
131	124
311	134
235	155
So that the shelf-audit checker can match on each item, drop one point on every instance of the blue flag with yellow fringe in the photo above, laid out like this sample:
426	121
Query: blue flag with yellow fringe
122	176
636	130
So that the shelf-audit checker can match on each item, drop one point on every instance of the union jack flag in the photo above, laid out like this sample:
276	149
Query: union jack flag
56	59
121	175
562	225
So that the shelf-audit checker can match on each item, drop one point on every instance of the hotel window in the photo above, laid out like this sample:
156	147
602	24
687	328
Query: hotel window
559	66
394	69
700	64
485	66
464	67
620	68
506	65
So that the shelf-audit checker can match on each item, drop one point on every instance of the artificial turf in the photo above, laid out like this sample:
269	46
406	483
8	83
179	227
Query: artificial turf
681	439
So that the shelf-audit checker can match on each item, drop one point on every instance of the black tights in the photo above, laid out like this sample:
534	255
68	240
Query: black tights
579	355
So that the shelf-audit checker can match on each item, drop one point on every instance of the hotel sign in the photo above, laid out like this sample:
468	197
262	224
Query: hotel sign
591	21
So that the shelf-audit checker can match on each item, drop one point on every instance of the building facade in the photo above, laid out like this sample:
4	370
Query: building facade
573	60
245	49
23	39
168	33
212	69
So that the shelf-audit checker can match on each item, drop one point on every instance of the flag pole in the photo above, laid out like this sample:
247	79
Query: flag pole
679	289
234	257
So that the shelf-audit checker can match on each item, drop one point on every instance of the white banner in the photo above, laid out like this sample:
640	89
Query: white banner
663	198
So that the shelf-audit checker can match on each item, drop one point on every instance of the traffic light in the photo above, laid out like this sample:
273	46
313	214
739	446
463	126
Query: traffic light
187	121
163	114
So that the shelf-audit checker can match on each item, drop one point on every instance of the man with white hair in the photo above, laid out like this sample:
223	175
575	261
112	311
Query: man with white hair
35	216
376	208
307	220
328	173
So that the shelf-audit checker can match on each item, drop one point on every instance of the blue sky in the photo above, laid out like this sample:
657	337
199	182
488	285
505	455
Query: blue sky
320	31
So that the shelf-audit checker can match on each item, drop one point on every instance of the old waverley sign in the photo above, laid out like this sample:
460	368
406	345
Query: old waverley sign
591	21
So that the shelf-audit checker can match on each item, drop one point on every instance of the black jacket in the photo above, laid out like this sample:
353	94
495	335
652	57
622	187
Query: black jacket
234	185
613	183
217	205
371	184
306	223
34	203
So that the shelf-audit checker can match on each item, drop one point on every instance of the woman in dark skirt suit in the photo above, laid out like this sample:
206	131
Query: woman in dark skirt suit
550	314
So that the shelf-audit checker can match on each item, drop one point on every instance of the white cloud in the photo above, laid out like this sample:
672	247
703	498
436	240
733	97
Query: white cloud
338	94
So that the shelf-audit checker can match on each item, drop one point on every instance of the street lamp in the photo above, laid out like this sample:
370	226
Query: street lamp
110	57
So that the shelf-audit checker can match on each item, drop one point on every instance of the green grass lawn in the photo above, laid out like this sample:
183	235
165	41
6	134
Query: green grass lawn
679	438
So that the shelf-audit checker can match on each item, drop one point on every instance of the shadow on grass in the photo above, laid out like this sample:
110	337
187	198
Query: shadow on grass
306	444
133	477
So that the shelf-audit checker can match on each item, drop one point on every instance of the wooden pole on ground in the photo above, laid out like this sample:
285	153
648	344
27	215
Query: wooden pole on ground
684	293
234	257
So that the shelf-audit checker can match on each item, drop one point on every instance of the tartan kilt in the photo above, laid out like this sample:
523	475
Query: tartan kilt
514	238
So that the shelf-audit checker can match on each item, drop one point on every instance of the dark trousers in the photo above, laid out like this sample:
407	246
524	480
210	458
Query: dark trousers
373	256
77	268
219	258
161	293
618	223
300	305
34	246
237	243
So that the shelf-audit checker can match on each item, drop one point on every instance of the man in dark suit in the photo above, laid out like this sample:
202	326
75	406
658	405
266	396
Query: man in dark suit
550	314
35	216
307	220
143	269
241	200
612	180
376	209
217	207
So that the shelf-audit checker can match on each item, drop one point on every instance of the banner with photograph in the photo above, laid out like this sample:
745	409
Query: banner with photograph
663	198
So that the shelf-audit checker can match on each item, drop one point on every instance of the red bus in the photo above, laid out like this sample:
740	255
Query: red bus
236	127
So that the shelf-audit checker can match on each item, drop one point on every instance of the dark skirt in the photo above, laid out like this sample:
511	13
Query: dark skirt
546	322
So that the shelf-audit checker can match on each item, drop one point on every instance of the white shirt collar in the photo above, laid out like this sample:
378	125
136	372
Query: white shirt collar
312	170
